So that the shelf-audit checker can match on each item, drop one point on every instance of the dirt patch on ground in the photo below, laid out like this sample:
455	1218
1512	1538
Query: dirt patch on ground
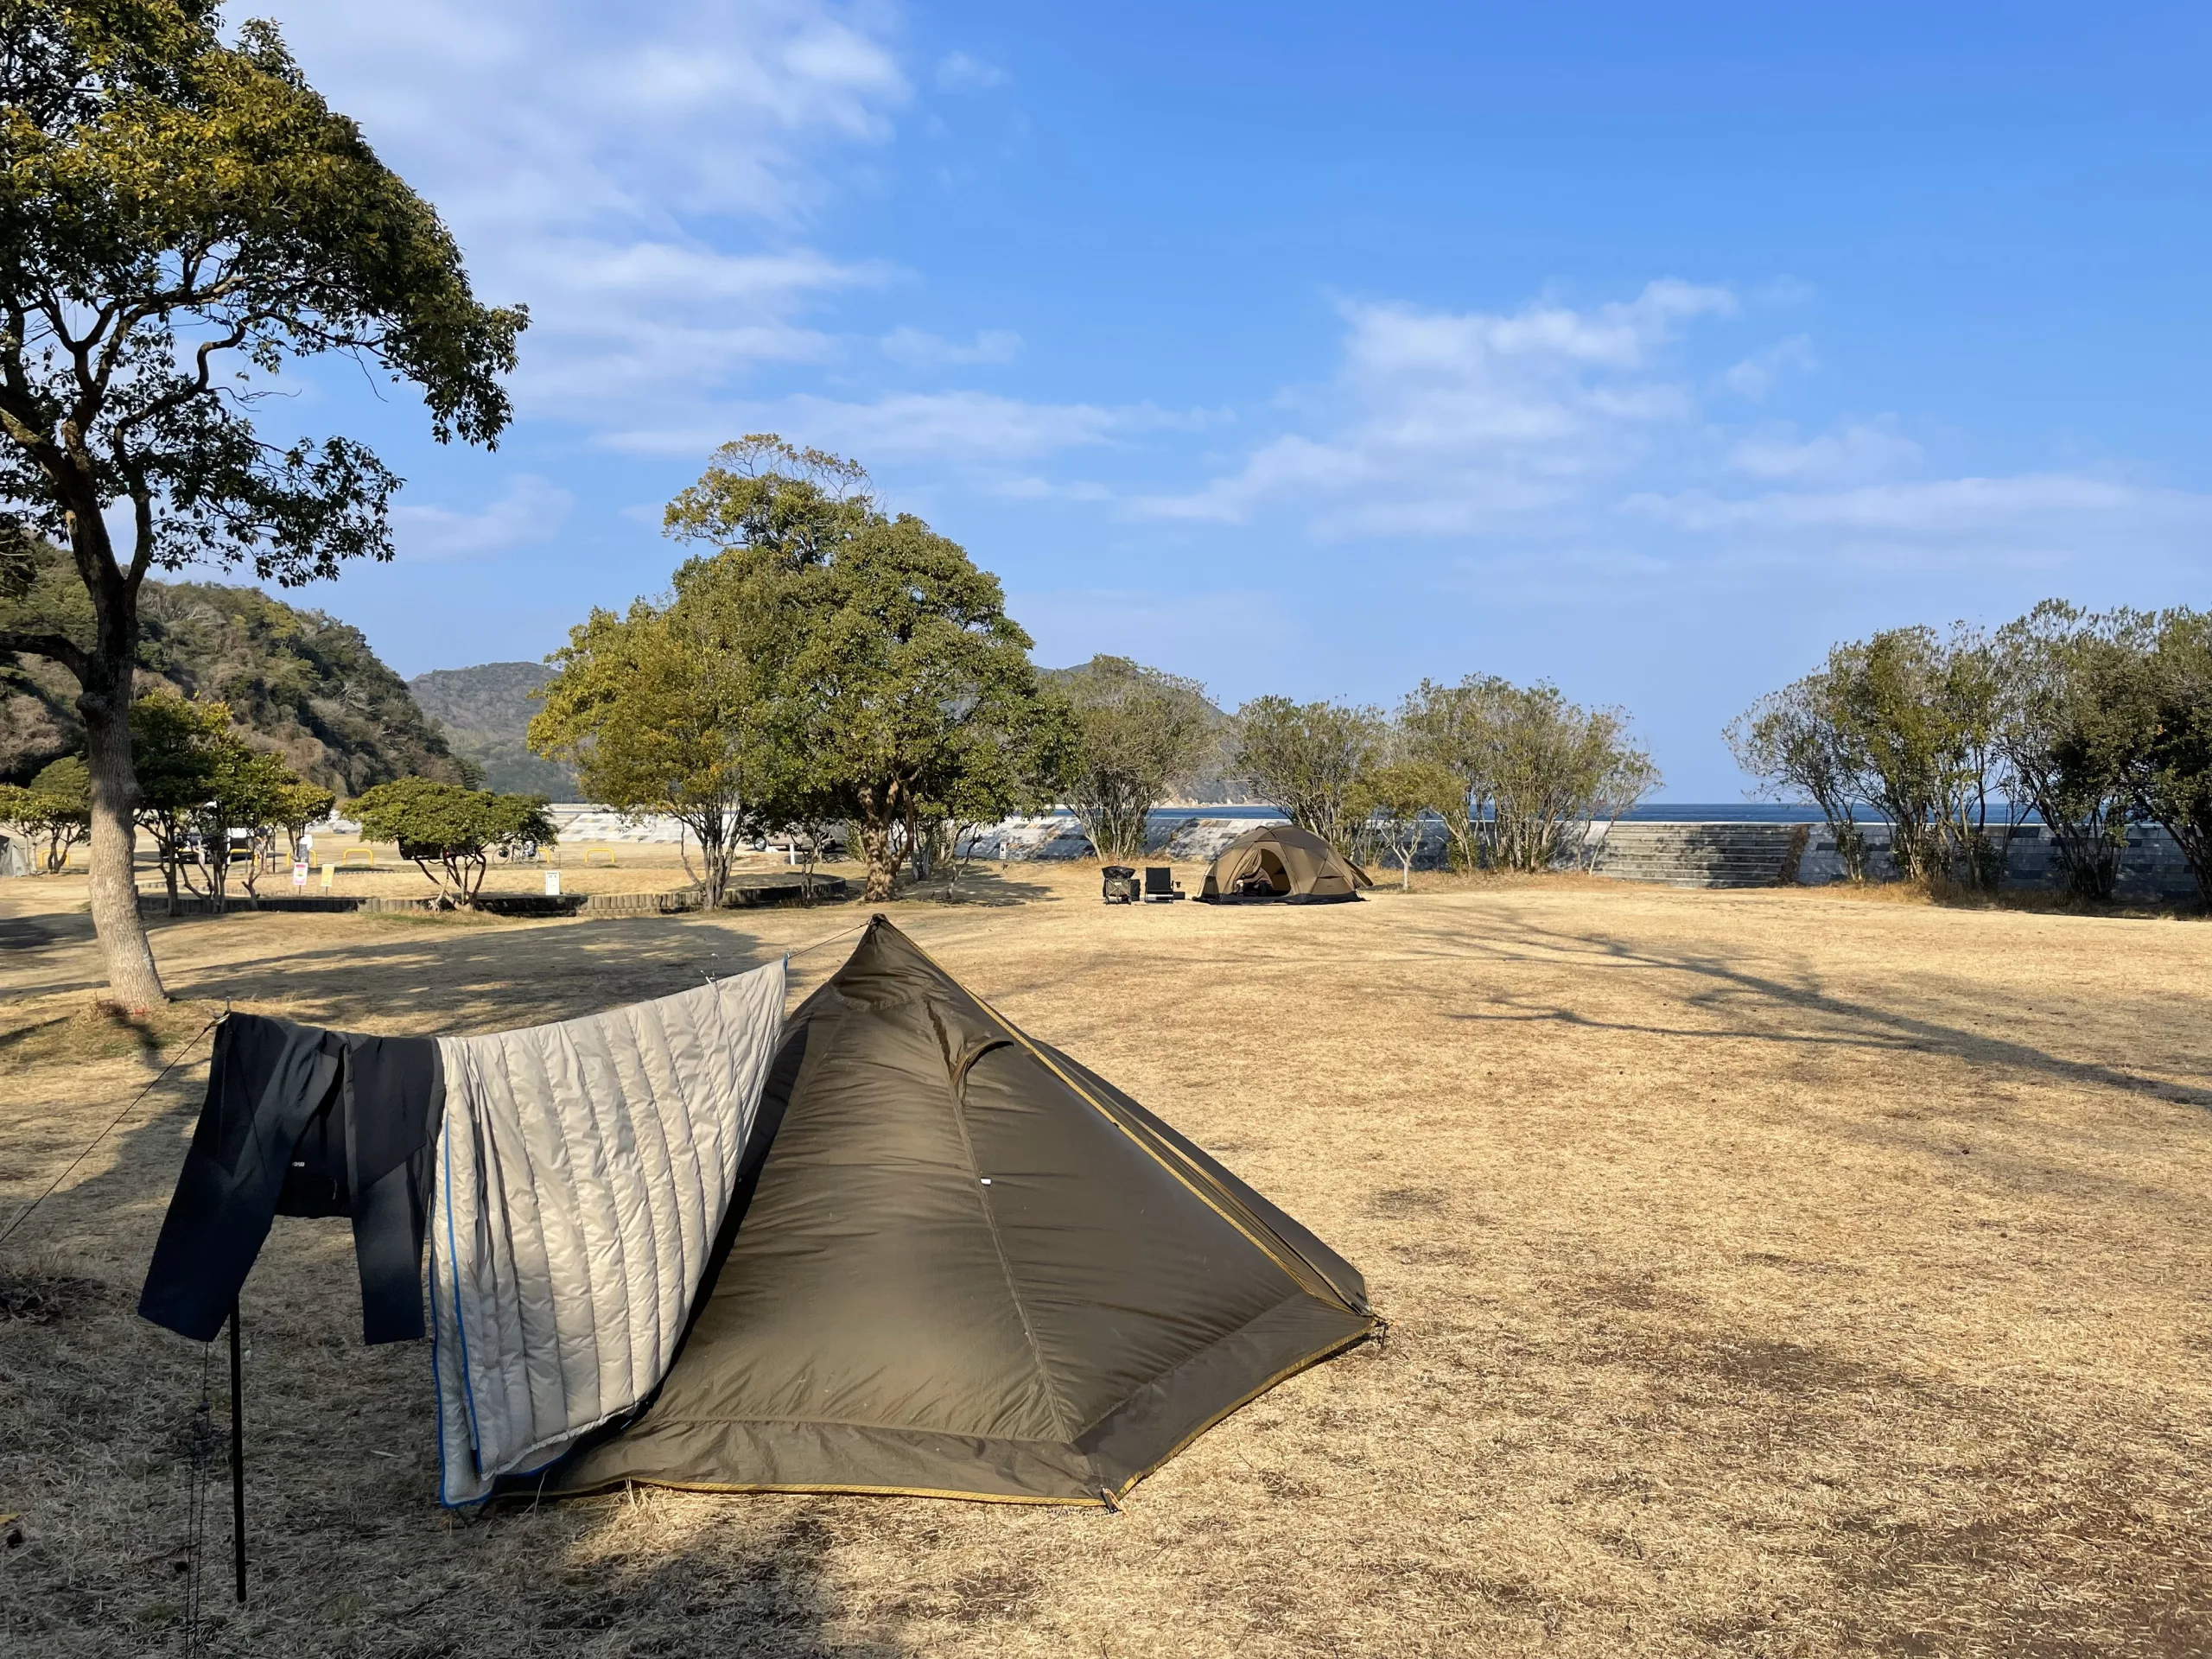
1767	1274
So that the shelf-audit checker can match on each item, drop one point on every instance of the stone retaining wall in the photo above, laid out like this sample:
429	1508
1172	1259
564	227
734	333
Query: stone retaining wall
2152	869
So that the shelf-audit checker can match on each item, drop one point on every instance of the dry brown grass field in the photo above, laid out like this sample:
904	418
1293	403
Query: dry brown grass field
1768	1273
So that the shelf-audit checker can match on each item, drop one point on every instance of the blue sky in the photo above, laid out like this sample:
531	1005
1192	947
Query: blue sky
1313	349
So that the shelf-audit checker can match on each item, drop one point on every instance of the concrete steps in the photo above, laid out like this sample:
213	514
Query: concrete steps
1698	855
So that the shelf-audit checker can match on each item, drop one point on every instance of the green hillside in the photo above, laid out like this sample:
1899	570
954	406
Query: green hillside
302	684
484	713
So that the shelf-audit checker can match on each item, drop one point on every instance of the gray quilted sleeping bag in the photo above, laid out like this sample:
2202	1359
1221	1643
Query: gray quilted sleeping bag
583	1171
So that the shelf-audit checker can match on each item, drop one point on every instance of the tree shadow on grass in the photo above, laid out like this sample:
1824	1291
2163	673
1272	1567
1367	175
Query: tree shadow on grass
1849	1020
978	884
1806	1013
445	979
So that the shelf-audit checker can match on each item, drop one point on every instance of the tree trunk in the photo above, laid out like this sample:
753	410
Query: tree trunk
815	830
125	955
219	868
882	857
713	859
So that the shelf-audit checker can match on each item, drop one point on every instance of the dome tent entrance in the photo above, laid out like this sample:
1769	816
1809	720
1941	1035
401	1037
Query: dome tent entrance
1281	863
962	1265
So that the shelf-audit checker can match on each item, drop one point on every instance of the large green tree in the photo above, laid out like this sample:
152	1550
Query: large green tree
1921	714
455	829
1555	768
1395	800
1307	759
914	687
55	807
173	744
1452	727
675	708
2172	764
1139	732
180	216
903	697
1796	743
238	822
2073	721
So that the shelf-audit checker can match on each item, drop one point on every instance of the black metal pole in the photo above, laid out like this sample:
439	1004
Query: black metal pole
238	1456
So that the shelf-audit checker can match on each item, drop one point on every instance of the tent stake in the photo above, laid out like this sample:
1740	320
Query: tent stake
237	1457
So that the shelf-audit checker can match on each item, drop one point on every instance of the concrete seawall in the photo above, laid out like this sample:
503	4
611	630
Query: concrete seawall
2152	867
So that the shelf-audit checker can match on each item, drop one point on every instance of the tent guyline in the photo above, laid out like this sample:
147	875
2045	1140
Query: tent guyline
890	1245
23	1214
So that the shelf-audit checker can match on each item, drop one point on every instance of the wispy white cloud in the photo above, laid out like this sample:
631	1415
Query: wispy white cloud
2029	510
1755	376
1460	423
1032	488
530	511
958	426
644	186
964	428
917	348
1860	451
958	72
1574	440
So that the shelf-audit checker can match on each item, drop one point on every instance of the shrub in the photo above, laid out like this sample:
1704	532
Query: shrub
455	828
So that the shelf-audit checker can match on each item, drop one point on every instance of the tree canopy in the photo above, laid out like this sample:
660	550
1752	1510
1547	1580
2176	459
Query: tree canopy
1307	759
678	709
2093	721
181	216
55	807
1396	799
2072	712
173	743
456	830
895	689
199	780
2171	765
1139	734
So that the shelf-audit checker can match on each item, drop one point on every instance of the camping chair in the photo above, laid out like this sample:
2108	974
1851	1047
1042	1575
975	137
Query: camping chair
1120	885
1159	885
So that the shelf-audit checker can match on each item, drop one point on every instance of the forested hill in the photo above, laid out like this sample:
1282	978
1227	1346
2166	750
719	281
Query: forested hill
306	685
485	712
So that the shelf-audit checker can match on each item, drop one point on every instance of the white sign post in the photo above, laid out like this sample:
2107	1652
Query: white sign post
552	884
299	876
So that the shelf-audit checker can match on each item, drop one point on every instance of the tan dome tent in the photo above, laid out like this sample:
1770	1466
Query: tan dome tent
961	1265
1282	861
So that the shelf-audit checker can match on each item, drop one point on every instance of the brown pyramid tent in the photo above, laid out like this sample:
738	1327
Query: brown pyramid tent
1282	861
963	1266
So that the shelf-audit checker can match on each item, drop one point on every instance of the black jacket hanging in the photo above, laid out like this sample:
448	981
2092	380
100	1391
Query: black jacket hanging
303	1121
